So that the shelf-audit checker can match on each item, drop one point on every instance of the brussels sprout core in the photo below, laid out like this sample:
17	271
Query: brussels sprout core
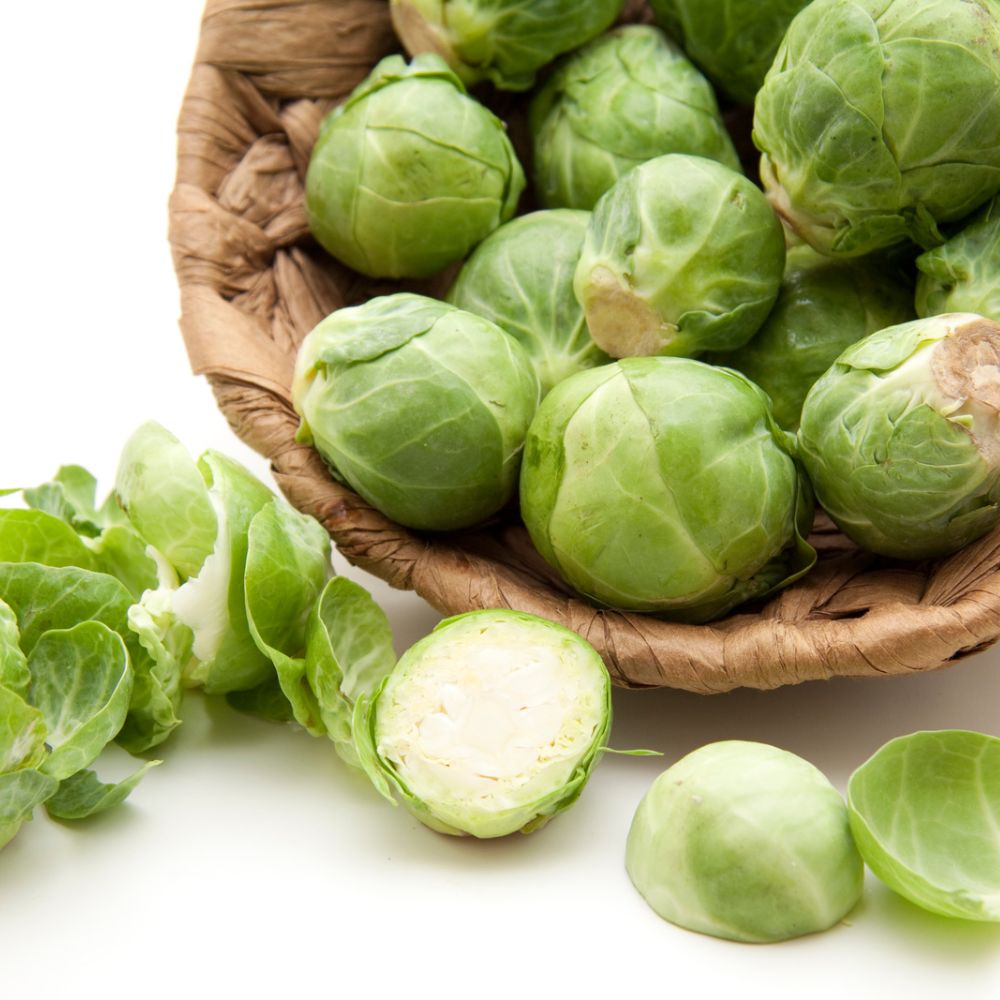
491	723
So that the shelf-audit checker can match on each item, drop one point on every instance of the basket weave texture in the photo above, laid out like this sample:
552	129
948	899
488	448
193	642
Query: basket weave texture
253	284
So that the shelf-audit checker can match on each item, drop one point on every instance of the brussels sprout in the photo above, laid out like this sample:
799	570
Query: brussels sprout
625	98
823	307
963	275
745	842
489	725
733	41
663	484
682	255
504	41
901	437
924	810
409	173
422	408
880	119
521	278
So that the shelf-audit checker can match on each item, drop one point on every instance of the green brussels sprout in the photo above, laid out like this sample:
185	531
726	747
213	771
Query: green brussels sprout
823	307
488	726
420	407
625	98
409	173
733	41
521	278
963	275
746	842
504	41
683	255
901	437
664	484
923	811
880	119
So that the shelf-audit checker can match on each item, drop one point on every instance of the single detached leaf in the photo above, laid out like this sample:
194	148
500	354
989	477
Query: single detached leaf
13	664
38	537
81	681
20	792
348	654
22	733
288	563
69	496
83	794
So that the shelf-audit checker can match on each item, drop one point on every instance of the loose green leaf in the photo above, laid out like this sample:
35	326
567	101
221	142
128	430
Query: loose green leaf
81	681
925	814
83	794
349	652
22	733
38	537
120	552
288	562
20	792
70	497
13	663
266	701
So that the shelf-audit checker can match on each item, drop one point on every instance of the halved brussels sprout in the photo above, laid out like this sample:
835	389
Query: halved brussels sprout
683	255
963	275
924	813
664	484
901	437
422	408
521	278
504	41
880	119
409	173
746	842
823	307
625	98
488	726
732	41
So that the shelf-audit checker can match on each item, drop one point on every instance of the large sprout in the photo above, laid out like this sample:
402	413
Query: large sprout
880	119
521	278
901	437
625	98
488	726
733	41
664	485
420	407
746	842
409	173
504	41
683	255
963	275
823	307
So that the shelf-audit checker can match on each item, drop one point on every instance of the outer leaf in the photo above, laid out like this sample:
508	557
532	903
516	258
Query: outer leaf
81	681
22	733
288	562
349	653
121	553
35	536
13	664
83	794
20	792
266	701
70	497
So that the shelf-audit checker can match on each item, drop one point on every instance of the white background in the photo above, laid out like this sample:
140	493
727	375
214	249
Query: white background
252	862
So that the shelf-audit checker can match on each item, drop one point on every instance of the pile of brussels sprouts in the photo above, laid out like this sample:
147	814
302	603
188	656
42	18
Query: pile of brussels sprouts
667	363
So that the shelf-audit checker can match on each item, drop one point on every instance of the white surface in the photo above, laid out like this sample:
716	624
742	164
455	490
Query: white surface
252	861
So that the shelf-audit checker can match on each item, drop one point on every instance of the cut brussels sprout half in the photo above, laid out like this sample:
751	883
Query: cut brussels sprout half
901	437
409	173
746	842
924	811
521	278
732	41
664	485
504	41
963	275
823	307
625	98
488	726
880	119
682	255
420	407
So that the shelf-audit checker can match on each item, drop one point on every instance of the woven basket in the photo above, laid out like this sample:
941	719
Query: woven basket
253	283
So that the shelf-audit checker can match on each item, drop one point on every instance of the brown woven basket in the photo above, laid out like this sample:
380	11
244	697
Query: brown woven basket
253	283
